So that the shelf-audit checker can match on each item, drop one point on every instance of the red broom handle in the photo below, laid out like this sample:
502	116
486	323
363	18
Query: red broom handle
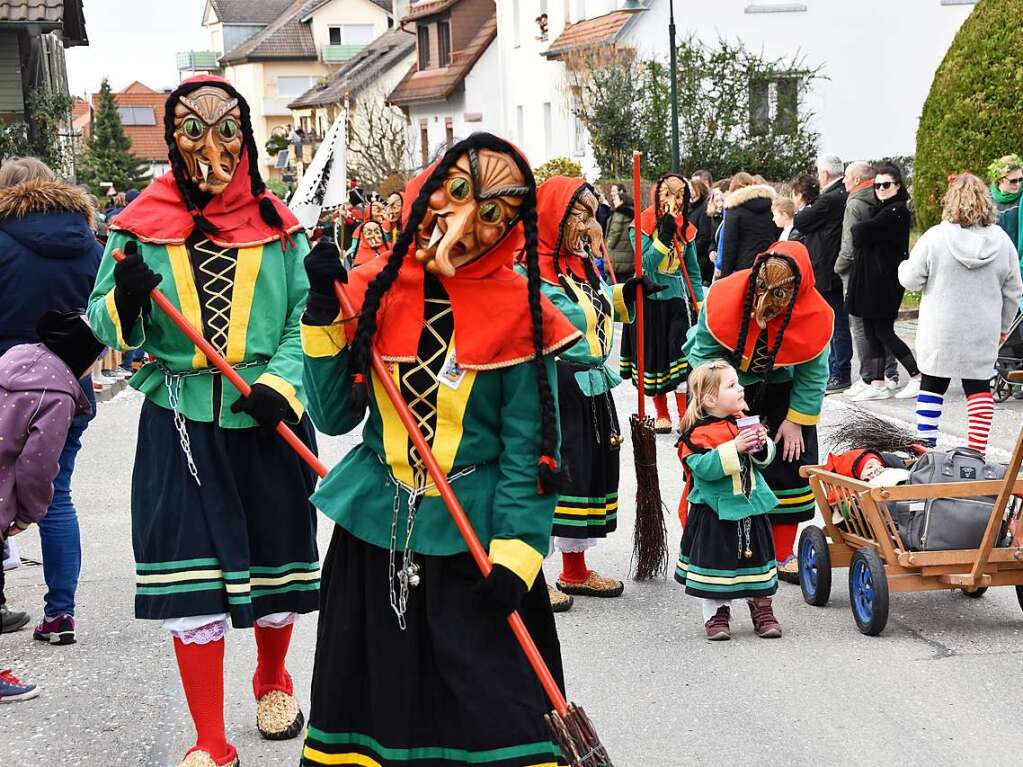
229	372
458	515
638	232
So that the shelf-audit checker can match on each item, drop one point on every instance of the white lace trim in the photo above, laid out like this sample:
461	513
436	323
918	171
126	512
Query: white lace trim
276	620
573	545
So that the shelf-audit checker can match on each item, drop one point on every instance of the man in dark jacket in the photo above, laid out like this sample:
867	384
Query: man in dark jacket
821	226
749	228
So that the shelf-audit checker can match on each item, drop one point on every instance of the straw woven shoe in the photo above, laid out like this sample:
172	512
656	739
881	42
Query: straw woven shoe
199	758
560	603
278	716
595	585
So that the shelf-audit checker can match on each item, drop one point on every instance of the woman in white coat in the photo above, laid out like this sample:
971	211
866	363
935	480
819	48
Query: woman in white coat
968	272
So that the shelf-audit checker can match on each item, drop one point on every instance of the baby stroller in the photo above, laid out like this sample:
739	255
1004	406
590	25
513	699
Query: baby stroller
1010	358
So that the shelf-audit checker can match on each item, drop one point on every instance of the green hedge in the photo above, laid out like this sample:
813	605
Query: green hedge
974	112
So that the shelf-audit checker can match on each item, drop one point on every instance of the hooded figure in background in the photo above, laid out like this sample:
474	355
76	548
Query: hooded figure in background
414	655
669	259
774	327
569	238
221	525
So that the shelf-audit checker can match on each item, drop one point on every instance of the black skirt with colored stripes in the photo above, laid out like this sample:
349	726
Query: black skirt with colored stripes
242	542
795	498
665	324
726	560
453	688
589	507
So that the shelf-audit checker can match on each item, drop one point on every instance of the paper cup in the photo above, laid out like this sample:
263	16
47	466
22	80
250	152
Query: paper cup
747	422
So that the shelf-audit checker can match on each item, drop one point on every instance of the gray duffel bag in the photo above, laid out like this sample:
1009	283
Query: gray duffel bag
939	524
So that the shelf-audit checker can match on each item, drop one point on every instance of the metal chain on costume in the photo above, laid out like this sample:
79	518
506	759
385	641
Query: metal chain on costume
408	576
173	381
745	528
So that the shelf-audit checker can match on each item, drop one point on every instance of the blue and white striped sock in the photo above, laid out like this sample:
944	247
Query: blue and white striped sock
928	413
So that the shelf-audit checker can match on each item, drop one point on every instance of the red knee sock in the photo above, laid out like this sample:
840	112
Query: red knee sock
202	675
573	568
680	402
661	406
271	651
980	411
784	534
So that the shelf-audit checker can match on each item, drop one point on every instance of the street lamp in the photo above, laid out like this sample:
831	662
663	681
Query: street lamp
673	74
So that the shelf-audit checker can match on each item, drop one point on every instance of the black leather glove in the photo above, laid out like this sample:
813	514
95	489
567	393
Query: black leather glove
323	267
133	280
667	227
502	591
649	288
265	405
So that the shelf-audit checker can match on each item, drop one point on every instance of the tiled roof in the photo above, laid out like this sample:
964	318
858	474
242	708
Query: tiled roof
370	63
437	83
602	30
287	37
424	8
32	10
146	140
249	11
384	4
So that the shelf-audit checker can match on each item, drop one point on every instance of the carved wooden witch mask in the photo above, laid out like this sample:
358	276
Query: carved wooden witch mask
582	235
775	289
373	234
671	196
471	211
208	134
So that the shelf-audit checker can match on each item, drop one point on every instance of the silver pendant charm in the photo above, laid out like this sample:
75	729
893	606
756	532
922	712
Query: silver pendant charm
409	575
616	440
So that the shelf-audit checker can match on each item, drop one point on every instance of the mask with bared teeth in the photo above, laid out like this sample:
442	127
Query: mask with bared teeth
208	134
471	211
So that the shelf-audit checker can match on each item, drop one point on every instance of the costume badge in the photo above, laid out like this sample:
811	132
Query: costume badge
451	374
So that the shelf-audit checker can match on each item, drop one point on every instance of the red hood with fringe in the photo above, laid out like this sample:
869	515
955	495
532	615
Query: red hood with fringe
489	301
159	214
808	332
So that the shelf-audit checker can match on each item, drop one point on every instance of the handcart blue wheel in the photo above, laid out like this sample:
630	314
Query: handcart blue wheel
814	566
868	591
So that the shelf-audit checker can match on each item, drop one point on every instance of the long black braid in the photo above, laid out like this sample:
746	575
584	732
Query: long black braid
195	198
551	477
747	310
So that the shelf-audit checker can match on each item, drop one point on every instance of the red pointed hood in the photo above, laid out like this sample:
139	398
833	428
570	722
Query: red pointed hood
489	301
809	330
554	198
160	215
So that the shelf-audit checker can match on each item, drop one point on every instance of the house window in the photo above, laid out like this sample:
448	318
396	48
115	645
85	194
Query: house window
541	22
516	31
291	86
424	47
548	132
774	106
424	142
351	34
449	131
520	125
443	43
137	115
578	129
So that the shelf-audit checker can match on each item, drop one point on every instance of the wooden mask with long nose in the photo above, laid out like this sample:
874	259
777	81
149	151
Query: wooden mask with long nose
208	134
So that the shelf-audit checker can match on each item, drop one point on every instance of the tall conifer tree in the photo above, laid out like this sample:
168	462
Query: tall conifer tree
108	154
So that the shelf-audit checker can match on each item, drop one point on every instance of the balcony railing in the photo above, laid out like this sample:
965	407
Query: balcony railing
199	61
338	54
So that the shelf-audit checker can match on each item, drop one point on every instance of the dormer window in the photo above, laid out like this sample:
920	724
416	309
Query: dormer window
424	47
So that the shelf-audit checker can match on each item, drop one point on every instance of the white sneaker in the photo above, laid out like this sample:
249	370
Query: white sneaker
856	388
102	380
910	390
872	392
891	383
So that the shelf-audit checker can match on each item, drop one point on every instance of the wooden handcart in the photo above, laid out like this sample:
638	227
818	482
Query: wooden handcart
868	542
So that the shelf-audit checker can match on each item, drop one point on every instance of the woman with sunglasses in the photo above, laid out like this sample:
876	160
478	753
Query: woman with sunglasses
1006	175
875	295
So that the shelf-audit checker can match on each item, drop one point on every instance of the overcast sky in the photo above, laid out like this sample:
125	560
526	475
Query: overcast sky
134	40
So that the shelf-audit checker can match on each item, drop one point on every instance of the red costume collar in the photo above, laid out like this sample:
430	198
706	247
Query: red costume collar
489	301
809	330
648	225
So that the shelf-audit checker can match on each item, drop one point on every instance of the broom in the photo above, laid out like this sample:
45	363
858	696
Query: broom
570	727
862	430
649	541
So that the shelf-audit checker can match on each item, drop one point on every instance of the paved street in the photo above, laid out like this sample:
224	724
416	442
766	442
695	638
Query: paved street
940	687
